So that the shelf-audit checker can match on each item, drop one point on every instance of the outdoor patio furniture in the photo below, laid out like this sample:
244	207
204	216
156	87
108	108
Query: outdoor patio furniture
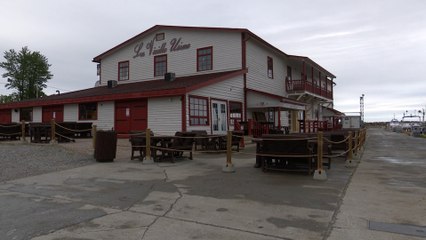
138	142
286	153
182	142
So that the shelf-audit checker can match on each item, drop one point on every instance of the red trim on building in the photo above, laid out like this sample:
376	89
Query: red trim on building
244	39
216	80
199	55
198	116
157	60
142	89
119	65
282	99
183	97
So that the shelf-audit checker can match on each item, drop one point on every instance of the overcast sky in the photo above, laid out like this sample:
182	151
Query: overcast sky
374	47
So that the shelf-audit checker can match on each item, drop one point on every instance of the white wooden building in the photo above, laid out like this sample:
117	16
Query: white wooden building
175	78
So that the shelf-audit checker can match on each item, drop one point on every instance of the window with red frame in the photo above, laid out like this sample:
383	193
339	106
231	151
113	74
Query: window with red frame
123	70
235	112
88	111
26	114
198	111
160	65
270	67
205	59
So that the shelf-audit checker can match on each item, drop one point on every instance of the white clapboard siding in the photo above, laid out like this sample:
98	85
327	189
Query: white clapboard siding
257	77
228	90
15	116
226	55
70	112
165	115
105	119
37	114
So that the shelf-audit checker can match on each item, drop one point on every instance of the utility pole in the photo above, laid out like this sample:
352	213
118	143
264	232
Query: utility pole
361	108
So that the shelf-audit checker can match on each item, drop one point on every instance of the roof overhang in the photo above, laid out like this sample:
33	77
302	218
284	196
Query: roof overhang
257	100
142	89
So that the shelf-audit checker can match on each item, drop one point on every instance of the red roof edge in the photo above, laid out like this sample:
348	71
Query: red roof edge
216	80
281	98
303	58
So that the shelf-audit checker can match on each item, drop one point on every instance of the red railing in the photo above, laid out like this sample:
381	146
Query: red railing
308	126
295	86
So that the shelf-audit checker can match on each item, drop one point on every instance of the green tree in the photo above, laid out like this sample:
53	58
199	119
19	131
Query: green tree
27	72
8	98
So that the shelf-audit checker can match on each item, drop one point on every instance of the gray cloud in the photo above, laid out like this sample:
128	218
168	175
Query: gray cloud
374	48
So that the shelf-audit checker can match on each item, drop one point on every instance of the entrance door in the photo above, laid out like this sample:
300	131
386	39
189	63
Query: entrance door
5	116
131	116
219	117
53	112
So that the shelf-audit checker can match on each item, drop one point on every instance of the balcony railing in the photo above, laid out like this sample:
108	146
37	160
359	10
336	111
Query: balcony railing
300	86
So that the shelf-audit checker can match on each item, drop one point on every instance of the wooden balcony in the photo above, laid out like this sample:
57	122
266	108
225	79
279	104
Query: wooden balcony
304	86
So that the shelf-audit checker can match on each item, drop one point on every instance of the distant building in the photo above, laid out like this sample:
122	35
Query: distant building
175	78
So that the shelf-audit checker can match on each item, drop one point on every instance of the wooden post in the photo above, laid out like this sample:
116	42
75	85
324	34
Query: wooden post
349	162
355	141
52	133
250	127
229	167
320	173
23	131
319	149
94	135
148	144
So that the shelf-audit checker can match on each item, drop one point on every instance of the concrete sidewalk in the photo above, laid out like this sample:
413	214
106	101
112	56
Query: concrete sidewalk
195	200
387	191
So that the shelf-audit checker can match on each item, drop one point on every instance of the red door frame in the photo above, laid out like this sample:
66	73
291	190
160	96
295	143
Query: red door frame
47	113
131	115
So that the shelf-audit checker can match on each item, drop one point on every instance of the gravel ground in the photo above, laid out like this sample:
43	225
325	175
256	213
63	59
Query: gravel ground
19	160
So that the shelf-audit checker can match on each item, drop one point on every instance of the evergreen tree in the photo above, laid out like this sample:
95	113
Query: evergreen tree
27	72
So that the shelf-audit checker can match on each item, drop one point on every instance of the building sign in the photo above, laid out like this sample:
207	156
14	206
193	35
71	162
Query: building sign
153	48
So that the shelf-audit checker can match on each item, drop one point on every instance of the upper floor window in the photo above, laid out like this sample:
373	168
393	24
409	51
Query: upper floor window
88	111
204	59
198	111
289	72
160	65
270	67
123	70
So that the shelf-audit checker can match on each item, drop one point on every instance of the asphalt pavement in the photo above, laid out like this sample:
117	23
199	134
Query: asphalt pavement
194	199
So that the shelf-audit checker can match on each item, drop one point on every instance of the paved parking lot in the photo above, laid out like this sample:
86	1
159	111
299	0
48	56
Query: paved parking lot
196	200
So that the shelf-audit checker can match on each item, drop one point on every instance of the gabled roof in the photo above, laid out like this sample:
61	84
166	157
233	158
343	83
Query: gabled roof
310	61
143	89
221	29
163	27
280	98
333	111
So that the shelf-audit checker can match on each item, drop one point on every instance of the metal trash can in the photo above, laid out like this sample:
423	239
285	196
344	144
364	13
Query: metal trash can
105	146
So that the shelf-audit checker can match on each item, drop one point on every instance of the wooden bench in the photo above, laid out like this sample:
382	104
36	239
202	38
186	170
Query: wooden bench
286	153
201	140
138	143
10	131
182	142
235	142
326	149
